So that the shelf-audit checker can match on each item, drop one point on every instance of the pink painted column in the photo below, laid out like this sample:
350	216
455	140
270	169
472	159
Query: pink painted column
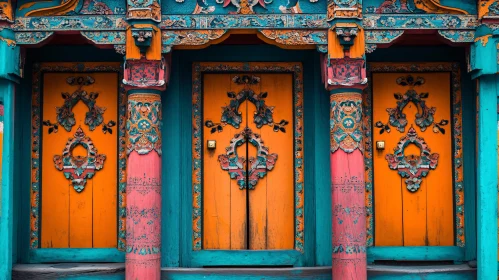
347	185
143	191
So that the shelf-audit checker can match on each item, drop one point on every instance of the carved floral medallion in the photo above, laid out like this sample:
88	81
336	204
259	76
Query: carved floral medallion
251	169
412	167
79	168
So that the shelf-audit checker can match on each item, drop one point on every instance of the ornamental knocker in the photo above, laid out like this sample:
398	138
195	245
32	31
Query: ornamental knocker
236	165
412	167
231	115
425	116
65	116
79	168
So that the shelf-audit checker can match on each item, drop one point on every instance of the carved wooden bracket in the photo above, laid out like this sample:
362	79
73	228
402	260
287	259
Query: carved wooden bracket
344	72
143	73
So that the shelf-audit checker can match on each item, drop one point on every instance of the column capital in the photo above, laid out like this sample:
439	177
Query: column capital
483	57
9	52
144	74
344	73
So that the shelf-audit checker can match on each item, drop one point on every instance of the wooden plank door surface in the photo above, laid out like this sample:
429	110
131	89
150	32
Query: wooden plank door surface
85	218
249	218
412	209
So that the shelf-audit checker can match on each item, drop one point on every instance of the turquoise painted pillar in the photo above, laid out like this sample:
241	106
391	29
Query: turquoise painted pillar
9	75
485	71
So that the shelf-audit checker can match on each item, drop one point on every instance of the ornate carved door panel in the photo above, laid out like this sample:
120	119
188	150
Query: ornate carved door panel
76	164
413	175
248	178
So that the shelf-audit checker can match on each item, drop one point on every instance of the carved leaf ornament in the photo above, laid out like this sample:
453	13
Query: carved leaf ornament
247	172
424	118
264	114
79	168
412	167
65	116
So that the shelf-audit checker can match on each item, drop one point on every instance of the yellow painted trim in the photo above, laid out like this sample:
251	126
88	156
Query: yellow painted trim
484	39
434	6
62	9
10	43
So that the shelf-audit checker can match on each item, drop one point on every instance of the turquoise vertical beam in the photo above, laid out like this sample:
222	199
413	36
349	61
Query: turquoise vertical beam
487	177
485	71
6	211
9	71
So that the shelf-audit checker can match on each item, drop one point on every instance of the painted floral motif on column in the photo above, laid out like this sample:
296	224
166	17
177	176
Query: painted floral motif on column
346	119
144	123
236	165
412	167
424	118
79	168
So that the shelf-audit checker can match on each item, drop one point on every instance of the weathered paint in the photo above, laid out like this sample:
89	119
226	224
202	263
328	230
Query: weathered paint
487	168
347	187
85	219
8	73
106	271
424	217
7	89
143	258
269	214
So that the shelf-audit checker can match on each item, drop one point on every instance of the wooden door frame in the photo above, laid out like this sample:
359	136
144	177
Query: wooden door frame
246	257
430	253
48	255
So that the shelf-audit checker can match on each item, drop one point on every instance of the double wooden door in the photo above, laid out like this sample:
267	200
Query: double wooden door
248	161
413	172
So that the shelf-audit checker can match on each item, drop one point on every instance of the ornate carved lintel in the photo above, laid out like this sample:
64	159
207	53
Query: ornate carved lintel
144	10
143	73
344	72
296	37
344	9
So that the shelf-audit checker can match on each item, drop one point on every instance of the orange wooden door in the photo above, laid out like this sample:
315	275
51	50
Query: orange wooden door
413	178
79	210
248	189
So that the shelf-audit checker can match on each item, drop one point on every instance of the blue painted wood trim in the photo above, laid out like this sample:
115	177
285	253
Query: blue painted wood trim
7	89
53	255
171	166
487	177
323	234
416	253
207	258
468	96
